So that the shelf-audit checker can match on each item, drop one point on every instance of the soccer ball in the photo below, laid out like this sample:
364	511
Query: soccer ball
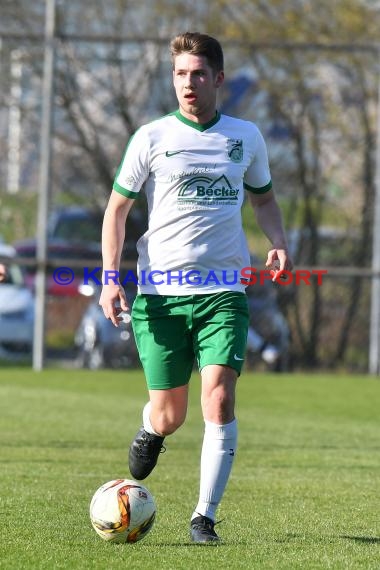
122	511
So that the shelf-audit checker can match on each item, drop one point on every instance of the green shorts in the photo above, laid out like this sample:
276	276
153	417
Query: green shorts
171	332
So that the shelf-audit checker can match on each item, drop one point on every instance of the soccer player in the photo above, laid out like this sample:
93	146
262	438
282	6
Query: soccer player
191	305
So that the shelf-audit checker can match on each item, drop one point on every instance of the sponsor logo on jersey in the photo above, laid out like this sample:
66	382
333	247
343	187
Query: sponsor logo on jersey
235	149
203	191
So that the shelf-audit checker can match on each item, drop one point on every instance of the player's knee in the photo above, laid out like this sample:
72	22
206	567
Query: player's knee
218	405
166	423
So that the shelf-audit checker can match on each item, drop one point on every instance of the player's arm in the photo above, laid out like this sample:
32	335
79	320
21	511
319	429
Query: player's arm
257	182
113	235
269	218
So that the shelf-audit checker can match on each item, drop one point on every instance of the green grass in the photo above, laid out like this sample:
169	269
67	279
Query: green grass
304	491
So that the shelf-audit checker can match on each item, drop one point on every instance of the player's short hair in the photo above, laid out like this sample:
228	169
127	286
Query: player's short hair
198	44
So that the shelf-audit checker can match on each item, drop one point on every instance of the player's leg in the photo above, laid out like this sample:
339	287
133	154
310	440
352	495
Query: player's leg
162	415
221	344
166	353
218	449
166	410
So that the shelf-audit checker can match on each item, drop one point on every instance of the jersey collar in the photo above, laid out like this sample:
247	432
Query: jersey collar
197	126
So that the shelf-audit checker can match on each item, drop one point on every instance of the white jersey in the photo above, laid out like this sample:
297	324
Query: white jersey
194	176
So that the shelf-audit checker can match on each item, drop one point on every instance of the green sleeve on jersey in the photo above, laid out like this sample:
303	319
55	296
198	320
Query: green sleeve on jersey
123	191
261	190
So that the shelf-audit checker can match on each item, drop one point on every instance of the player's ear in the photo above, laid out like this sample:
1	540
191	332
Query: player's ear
219	78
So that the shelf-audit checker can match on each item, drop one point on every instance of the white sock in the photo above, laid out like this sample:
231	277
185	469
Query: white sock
218	452
146	419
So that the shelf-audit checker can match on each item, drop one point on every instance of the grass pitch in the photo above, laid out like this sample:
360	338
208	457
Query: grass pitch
304	492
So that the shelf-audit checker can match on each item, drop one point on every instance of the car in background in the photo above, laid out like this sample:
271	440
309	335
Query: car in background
99	344
16	310
82	227
63	253
74	236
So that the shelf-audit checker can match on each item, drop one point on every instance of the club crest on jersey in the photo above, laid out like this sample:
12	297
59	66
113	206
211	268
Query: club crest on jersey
235	149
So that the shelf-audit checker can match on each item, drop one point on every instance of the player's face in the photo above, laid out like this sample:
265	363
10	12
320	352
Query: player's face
196	85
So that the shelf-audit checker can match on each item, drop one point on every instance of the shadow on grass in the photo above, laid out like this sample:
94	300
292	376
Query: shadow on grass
190	544
363	539
288	538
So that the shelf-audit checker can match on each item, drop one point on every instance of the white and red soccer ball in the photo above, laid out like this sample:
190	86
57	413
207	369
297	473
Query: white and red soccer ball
122	510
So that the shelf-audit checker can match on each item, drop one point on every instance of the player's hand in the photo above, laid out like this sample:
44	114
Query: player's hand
278	261
113	302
